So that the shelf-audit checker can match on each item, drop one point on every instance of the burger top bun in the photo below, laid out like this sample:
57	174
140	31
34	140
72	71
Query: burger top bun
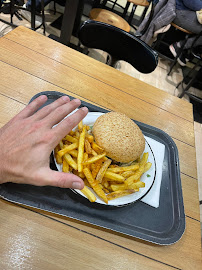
119	136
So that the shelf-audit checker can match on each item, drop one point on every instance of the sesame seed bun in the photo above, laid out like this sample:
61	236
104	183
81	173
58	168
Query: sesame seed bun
119	136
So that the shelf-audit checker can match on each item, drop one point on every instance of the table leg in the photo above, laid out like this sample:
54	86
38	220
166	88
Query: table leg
68	21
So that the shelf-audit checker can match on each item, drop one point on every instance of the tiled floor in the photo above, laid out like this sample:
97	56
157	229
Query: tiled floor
165	83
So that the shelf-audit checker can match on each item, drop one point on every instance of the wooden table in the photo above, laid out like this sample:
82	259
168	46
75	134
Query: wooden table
32	239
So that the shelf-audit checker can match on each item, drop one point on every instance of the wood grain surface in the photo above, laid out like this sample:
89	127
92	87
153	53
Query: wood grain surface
34	239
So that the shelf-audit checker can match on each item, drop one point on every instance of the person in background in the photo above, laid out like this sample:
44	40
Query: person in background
28	139
186	18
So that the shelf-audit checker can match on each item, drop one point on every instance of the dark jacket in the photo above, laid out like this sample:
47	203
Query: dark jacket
194	5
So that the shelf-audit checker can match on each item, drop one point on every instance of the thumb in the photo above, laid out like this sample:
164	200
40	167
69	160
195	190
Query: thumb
48	177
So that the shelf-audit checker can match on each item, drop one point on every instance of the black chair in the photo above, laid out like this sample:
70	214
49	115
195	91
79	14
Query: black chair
120	44
193	75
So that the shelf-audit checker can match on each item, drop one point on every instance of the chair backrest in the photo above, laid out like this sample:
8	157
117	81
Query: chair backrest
119	44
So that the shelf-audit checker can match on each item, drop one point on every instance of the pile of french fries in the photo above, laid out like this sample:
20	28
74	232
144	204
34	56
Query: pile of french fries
78	153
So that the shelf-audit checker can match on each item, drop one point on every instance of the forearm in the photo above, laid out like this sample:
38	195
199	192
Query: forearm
194	5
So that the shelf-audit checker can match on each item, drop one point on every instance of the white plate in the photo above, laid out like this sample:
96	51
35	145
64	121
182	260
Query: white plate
148	177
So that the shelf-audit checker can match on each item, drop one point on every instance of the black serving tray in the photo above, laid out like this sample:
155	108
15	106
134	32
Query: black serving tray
163	225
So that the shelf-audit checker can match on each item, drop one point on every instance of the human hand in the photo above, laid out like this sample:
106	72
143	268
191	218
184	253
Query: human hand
28	139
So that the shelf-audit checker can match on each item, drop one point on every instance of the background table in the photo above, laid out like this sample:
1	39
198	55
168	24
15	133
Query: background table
68	21
32	239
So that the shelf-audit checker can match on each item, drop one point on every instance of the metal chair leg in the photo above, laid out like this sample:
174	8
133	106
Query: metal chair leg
43	17
178	54
190	83
187	87
132	13
126	9
12	9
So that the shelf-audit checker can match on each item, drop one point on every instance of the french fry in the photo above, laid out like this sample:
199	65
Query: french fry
114	176
103	170
97	148
119	193
127	174
85	157
94	153
81	175
105	190
94	159
70	161
65	166
57	148
95	185
68	148
72	133
80	126
86	191
77	134
144	158
97	166
98	190
137	185
87	146
105	182
116	187
86	182
81	149
147	166
135	177
74	153
89	137
124	169
61	144
57	157
113	166
71	139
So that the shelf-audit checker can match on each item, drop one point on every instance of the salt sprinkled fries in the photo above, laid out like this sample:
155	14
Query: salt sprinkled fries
78	153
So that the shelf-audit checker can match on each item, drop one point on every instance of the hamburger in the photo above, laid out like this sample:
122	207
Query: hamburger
119	136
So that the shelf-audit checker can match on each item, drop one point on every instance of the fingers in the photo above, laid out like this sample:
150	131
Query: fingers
32	107
63	128
61	112
47	177
51	107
